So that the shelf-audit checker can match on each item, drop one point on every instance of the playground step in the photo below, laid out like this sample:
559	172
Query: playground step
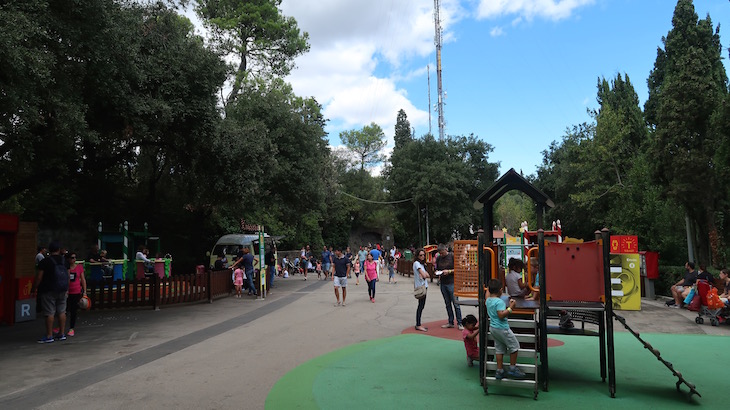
531	353
521	337
525	383
521	323
527	368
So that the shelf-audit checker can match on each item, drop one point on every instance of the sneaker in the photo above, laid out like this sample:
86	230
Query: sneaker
343	304
565	322
71	333
56	330
499	374
674	306
45	339
447	326
372	300
514	372
670	302
338	304
461	327
62	337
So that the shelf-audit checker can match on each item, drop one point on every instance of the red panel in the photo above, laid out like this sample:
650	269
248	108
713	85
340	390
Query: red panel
624	244
574	271
652	264
9	223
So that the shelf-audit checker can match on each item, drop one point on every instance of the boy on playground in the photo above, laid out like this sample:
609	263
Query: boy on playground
504	339
470	334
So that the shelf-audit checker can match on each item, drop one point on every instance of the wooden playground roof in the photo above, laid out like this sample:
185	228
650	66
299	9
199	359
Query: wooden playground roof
507	182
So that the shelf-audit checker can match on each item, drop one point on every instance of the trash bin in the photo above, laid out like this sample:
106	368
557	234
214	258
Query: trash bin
408	255
117	271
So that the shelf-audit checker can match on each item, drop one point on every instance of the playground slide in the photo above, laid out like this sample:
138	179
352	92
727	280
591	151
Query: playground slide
680	379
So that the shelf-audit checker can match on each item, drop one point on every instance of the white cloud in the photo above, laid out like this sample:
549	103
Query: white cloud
496	32
529	9
360	53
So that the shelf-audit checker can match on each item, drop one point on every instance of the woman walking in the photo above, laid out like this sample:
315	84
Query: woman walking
76	289
420	277
371	275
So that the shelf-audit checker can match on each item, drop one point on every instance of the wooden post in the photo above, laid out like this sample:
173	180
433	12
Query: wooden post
209	284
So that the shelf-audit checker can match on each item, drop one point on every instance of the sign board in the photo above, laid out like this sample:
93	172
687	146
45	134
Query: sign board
25	310
512	251
624	244
24	287
626	281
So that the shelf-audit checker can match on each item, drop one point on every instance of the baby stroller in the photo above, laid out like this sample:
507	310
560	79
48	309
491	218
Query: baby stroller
703	288
291	267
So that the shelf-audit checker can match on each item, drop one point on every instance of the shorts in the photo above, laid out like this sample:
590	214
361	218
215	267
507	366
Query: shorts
325	267
505	341
53	302
679	289
340	281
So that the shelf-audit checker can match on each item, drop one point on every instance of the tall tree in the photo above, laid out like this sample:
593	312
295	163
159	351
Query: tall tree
402	130
686	88
367	143
254	33
444	176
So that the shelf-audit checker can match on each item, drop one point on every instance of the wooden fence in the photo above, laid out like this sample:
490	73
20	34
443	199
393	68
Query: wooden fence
155	292
405	268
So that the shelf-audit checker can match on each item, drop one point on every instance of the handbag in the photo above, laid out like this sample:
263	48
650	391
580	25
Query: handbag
420	292
690	296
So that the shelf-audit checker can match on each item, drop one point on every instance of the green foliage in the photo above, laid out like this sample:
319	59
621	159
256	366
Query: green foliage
686	89
367	143
443	176
256	34
513	208
402	134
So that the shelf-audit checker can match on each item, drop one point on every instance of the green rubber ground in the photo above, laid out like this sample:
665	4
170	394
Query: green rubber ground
419	371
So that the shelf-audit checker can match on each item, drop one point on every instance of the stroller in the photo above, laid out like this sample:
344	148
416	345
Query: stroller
703	288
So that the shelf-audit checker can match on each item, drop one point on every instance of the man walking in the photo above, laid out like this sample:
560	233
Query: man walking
340	270
326	261
362	254
52	291
445	264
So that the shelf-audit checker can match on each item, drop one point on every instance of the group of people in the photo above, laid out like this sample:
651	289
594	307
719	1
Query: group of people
59	285
444	266
681	289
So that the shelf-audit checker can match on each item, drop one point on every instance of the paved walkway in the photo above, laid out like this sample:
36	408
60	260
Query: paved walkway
227	354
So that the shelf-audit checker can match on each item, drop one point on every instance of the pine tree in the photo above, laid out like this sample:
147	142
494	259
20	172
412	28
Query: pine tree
686	88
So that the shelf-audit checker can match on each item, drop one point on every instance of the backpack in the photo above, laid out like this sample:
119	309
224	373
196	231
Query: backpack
60	277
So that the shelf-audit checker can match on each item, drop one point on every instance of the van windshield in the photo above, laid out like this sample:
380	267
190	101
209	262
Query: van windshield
225	249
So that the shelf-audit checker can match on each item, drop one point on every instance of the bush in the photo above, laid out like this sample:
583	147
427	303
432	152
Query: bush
668	276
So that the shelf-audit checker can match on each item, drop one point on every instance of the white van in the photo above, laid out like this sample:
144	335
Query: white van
228	245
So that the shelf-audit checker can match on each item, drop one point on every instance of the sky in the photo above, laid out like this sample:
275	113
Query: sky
516	73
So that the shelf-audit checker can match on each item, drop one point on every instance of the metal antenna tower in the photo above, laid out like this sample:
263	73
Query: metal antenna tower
437	40
428	71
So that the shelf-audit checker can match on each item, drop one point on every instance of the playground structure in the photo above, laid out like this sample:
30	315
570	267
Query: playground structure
574	277
125	242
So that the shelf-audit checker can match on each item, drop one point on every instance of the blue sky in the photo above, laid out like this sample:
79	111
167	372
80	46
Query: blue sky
517	73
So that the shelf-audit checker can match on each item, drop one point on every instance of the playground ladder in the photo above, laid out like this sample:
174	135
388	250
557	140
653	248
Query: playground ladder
658	355
526	332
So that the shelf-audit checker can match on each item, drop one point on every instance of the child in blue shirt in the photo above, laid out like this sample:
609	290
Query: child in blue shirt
505	340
